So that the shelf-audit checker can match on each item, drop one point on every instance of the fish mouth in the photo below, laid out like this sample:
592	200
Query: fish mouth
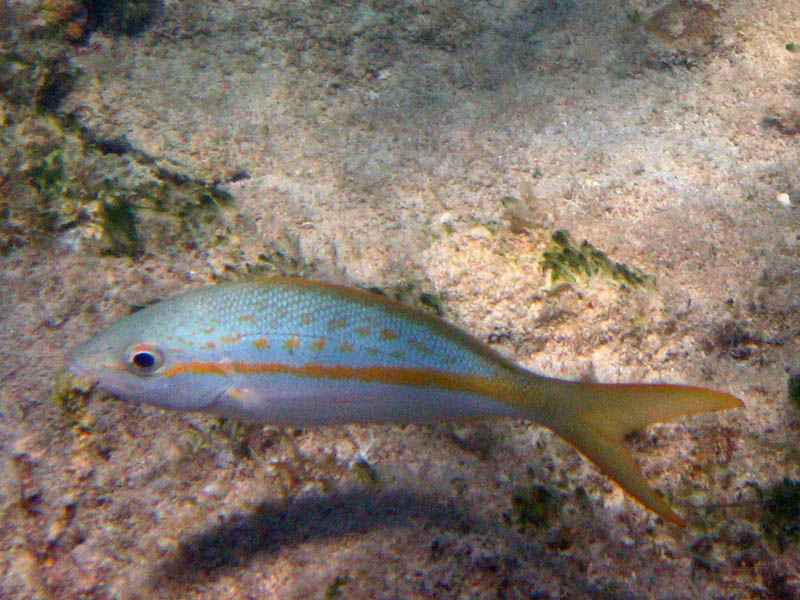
98	372
77	365
85	379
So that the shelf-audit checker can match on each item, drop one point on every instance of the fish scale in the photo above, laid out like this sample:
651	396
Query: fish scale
287	351
256	323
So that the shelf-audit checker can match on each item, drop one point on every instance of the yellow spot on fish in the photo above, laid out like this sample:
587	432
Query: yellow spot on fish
209	330
372	351
261	343
209	346
292	343
231	339
397	354
388	334
247	318
337	323
319	344
345	347
363	331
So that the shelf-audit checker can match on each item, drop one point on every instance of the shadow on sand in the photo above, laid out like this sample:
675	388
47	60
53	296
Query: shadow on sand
276	526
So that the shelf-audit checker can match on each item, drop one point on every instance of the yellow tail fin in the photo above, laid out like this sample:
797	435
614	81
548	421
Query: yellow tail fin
595	418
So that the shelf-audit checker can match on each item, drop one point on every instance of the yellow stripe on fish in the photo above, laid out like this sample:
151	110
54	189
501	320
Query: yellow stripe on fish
295	352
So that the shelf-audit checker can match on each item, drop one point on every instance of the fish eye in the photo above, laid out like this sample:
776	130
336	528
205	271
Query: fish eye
144	359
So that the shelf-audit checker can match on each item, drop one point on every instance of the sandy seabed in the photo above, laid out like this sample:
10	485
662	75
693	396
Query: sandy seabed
436	146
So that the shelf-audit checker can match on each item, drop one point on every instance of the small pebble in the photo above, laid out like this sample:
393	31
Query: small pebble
784	199
212	489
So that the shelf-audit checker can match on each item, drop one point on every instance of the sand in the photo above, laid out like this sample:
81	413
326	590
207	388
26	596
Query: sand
423	148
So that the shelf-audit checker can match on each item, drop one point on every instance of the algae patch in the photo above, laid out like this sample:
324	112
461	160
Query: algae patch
128	17
365	472
412	293
781	517
565	263
58	180
682	33
535	505
334	590
58	183
793	389
70	394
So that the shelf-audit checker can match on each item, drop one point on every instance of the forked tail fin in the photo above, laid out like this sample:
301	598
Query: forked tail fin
595	418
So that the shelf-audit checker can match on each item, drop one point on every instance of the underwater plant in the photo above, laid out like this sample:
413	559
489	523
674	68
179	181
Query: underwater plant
781	517
566	263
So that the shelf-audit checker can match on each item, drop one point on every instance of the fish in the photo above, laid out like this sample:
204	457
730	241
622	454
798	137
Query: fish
295	352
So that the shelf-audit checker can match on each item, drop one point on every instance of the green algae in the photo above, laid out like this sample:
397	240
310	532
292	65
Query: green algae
633	17
365	472
535	505
56	176
71	395
278	262
410	293
793	389
780	519
128	17
432	301
40	76
119	221
119	204
334	590
567	264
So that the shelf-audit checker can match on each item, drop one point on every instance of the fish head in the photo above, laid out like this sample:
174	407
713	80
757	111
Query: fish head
138	358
